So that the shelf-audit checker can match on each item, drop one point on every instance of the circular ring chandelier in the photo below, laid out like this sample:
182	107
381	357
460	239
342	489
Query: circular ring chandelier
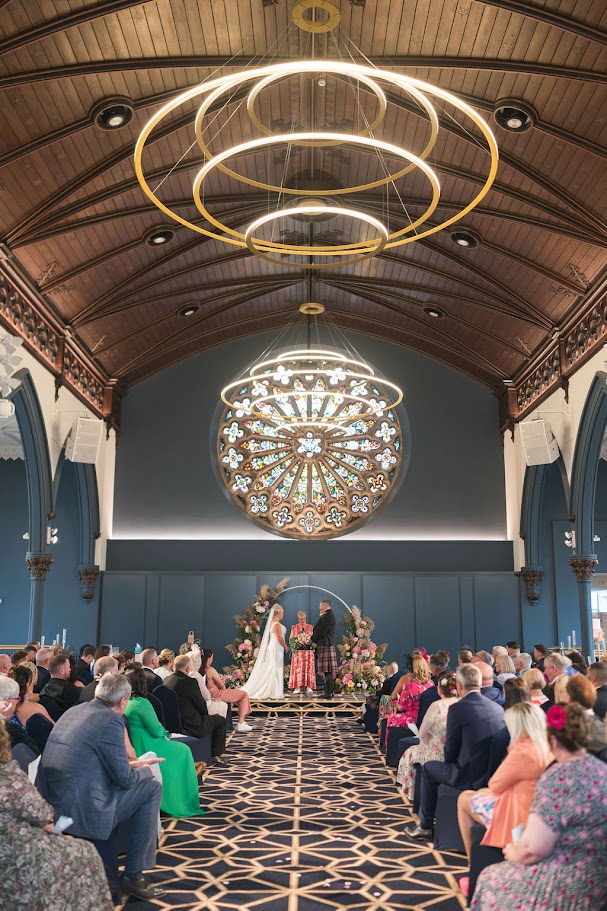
212	91
311	443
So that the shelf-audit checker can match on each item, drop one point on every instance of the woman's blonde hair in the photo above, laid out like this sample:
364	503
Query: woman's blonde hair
525	719
504	664
420	671
534	678
560	689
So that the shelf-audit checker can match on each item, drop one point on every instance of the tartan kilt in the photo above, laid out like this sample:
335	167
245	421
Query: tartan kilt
303	675
326	659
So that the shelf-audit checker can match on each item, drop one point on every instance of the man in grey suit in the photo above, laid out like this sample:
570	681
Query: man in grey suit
103	666
91	779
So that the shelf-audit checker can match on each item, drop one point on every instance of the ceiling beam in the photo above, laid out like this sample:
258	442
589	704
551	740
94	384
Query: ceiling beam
551	17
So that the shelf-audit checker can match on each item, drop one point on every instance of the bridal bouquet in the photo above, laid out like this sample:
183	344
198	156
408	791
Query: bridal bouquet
302	642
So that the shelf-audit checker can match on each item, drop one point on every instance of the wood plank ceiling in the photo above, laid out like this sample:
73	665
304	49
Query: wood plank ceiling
72	213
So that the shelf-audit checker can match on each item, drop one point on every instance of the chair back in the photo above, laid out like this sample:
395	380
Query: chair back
41	781
170	708
157	706
22	755
52	707
38	728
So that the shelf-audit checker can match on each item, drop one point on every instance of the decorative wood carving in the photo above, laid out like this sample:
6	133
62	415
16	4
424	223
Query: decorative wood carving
39	565
88	576
583	567
533	580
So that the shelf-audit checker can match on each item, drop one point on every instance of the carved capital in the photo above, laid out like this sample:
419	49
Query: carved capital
583	566
88	576
39	565
533	579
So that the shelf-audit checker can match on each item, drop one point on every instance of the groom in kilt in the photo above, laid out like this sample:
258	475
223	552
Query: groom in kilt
326	656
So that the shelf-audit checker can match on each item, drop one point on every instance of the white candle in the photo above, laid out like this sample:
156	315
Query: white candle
64	636
41	641
573	636
568	641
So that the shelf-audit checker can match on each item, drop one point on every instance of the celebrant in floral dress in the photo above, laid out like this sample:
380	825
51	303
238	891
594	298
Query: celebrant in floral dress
303	671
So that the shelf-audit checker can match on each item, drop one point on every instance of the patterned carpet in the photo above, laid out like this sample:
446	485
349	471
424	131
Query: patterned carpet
306	817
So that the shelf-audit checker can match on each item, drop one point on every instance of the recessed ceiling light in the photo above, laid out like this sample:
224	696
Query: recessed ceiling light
188	310
112	114
465	239
160	236
434	312
514	116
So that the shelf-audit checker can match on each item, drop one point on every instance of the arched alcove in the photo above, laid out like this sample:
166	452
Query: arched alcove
14	523
32	430
584	475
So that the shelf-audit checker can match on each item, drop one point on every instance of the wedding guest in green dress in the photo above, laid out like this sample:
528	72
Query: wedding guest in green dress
179	781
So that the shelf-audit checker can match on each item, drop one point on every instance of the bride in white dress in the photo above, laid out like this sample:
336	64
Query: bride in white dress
267	680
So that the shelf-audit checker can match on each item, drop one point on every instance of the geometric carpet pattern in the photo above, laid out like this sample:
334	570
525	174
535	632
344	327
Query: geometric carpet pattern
305	818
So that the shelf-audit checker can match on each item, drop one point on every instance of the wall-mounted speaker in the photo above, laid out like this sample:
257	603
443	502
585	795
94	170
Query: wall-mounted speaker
538	441
84	440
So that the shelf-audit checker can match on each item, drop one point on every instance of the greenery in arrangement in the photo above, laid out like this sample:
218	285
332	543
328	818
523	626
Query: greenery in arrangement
245	646
302	642
359	671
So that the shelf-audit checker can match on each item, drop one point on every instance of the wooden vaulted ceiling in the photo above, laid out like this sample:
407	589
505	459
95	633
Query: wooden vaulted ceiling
75	218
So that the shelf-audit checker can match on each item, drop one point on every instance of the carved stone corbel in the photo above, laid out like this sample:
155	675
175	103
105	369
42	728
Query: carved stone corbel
39	565
533	579
583	567
88	576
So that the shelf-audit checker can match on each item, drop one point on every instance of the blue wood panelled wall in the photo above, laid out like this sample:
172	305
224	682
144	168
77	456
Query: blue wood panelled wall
430	609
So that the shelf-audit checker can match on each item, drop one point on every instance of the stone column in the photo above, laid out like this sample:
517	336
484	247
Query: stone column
533	579
583	565
88	576
39	565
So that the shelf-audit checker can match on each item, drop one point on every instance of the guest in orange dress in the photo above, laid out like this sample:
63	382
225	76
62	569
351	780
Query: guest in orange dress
303	672
219	691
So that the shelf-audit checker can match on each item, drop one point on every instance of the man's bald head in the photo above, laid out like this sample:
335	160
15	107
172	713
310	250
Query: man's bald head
487	672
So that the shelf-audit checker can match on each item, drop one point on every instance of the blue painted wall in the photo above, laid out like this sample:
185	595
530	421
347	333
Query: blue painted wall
166	487
434	610
14	574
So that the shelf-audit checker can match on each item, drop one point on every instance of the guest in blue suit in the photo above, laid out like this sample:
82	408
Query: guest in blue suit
472	723
91	779
488	688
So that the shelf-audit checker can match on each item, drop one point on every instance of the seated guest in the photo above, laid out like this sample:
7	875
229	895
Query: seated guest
18	657
464	656
522	662
515	692
472	723
193	709
9	697
505	803
485	657
83	665
498	650
43	656
102	651
597	674
30	651
179	779
103	666
5	664
149	660
128	655
58	688
536	682
199	666
555	665
539	654
165	663
73	677
438	669
432	735
488	688
513	648
560	861
578	662
405	699
91	779
219	691
41	870
26	707
391	679
580	690
504	668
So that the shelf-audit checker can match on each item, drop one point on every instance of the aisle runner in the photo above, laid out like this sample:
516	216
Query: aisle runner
305	818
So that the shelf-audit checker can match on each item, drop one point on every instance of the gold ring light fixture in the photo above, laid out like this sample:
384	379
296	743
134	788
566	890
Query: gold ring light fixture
396	162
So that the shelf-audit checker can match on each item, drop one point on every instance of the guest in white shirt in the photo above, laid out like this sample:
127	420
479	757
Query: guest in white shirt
166	660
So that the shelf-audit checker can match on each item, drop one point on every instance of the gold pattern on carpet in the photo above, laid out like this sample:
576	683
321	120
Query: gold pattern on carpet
305	818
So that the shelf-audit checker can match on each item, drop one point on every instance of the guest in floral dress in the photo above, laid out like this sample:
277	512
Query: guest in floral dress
432	735
38	870
303	669
406	697
560	862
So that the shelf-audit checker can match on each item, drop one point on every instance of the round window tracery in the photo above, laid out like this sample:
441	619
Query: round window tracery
311	444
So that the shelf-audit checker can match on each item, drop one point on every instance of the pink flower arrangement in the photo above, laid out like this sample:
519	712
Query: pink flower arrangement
266	603
243	647
238	675
360	633
365	653
356	650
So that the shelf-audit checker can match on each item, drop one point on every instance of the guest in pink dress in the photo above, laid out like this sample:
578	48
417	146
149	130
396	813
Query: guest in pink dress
405	706
219	691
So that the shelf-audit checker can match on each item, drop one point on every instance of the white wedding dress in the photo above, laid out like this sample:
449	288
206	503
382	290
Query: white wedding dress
267	680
